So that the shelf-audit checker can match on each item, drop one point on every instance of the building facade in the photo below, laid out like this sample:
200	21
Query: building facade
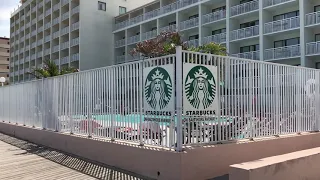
4	57
281	31
69	32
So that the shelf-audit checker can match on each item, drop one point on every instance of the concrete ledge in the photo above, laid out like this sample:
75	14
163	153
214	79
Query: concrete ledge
294	166
196	163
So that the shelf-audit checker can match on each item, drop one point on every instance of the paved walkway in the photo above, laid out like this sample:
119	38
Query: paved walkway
22	160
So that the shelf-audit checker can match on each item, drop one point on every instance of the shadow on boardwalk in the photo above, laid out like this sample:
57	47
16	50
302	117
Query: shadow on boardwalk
93	169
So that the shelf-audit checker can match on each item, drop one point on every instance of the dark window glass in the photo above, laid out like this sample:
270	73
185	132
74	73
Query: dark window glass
287	42
194	37
245	1
219	9
316	8
102	6
318	65
172	23
317	37
122	10
244	49
219	31
248	24
194	16
154	28
286	15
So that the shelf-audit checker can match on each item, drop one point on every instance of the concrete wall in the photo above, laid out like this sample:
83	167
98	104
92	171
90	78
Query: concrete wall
195	163
294	166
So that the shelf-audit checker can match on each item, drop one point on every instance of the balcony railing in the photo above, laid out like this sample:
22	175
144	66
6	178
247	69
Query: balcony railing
22	17
56	61
17	21
312	18
33	33
16	63
64	45
47	26
65	31
169	8
27	59
121	59
75	26
64	2
21	71
33	57
46	52
122	24
75	10
244	8
244	33
56	7
40	5
39	54
40	17
40	42
214	16
27	47
120	43
55	48
47	38
47	1
64	60
65	16
267	3
28	24
27	70
171	28
313	48
136	19
75	57
40	29
152	14
34	9
193	43
33	45
75	41
56	21
189	23
218	38
282	25
149	35
254	55
133	39
282	52
55	34
34	21
47	13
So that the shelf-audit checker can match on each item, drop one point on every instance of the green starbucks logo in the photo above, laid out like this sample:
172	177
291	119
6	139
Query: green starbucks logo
200	87
158	88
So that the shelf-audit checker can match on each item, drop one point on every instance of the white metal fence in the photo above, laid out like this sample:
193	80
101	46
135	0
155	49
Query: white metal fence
230	99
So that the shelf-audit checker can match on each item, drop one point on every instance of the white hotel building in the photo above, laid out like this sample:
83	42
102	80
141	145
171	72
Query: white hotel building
282	31
74	33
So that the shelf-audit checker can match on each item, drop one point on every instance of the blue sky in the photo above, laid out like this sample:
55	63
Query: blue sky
6	7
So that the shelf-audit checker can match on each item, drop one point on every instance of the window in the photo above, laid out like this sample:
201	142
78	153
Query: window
122	10
248	24
219	9
154	28
8	50
255	47
287	42
318	65
102	6
317	8
286	15
8	67
7	59
194	37
219	31
245	1
8	42
172	23
194	16
317	37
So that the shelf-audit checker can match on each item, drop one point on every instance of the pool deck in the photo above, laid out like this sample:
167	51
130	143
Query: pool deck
23	160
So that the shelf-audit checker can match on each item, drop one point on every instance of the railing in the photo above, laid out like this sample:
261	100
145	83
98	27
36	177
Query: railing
133	39
28	24
258	99
254	55
55	48
39	54
312	18
46	52
47	13
149	35
171	28
34	9
244	8
33	33
65	31
267	3
75	41
27	59
40	42
56	61
47	38
34	21
64	60
16	63
47	1
40	5
120	43
40	17
55	34
122	24
64	2
169	8
56	7
17	21
193	43
120	59
75	26
27	70
40	29
47	26
75	10
21	71
33	45
214	16
65	16
17	52
136	19
244	33
189	23
282	52
75	57
152	14
22	28
64	45
313	48
22	18
55	21
282	25
27	47
33	57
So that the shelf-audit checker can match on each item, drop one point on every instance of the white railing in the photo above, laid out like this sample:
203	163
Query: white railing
34	44
64	60
214	16
65	31
282	25
267	3
40	29
136	19
120	43
120	59
56	7
16	63
254	55
64	45
184	3
75	41
64	2
75	10
34	9
65	16
33	33
170	28
169	8
122	24
75	26
152	14
55	34
282	52
193	43
47	13
244	33
33	57
27	70
47	26
34	21
312	18
22	18
244	8
40	42
47	38
149	35
21	71
56	61
133	39
39	54
40	17
22	28
258	99
27	47
194	22
46	52
75	57
313	48
55	48
27	59
28	24
55	21
40	5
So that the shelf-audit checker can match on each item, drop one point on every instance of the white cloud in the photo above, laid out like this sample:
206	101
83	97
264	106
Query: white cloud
6	8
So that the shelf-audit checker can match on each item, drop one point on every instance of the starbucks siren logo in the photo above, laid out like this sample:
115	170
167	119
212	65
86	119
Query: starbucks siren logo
158	88
200	87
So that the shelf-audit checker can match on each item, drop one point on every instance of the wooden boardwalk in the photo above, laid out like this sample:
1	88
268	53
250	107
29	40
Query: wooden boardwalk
23	161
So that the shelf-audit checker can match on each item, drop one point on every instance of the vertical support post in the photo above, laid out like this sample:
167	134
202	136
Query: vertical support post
113	96
89	104
179	96
218	113
42	107
141	88
317	100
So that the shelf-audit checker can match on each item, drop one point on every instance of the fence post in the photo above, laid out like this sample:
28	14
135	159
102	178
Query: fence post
43	106
141	100
179	95
113	111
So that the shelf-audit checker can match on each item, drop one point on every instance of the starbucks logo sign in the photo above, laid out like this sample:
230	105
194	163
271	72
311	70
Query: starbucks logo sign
158	88
200	87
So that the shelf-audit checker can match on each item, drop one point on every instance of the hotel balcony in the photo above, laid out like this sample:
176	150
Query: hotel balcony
120	43
282	25
34	9
65	16
152	14
169	8
244	33
64	45
40	5
40	29
120	59
75	41
312	19
40	17
55	21
75	26
136	19
254	55
47	38
75	10
267	3
218	38
171	28
133	39
65	60
47	13
75	57
46	52
55	49
214	17
39	54
64	2
33	45
149	35
193	43
191	23
65	31
33	57
313	48
56	7
47	26
282	52
244	8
